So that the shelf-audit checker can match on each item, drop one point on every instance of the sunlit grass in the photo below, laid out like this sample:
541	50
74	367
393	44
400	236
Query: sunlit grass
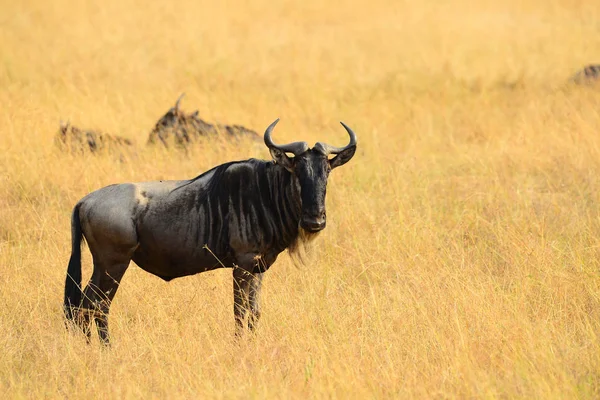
461	254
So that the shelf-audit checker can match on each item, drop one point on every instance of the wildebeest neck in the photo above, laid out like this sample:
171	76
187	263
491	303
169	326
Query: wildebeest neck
253	204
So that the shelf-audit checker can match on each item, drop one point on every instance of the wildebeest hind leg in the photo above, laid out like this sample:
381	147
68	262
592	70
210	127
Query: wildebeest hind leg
98	295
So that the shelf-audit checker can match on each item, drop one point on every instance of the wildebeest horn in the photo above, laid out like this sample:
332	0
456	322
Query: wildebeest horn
329	149
64	126
178	100
296	148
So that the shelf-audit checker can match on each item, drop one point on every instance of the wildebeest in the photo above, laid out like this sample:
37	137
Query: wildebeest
75	139
588	75
238	215
181	129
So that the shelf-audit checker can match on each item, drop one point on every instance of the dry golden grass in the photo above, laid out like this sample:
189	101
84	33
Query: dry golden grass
461	257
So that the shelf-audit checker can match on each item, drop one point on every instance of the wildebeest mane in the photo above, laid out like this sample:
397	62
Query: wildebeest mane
299	247
217	174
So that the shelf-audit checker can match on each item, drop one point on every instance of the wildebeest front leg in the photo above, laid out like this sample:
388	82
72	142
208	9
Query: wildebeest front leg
246	290
241	283
254	299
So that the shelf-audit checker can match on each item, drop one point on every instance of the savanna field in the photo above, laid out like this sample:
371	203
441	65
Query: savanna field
462	253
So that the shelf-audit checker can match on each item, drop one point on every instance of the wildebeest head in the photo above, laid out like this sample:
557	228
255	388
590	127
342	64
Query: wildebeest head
311	167
172	117
77	139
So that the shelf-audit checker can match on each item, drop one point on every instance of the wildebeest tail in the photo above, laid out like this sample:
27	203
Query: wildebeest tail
73	293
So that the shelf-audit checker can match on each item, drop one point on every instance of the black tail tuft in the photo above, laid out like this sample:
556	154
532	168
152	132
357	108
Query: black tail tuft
73	293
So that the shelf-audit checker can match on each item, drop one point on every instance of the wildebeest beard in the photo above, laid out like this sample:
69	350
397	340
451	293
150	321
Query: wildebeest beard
301	248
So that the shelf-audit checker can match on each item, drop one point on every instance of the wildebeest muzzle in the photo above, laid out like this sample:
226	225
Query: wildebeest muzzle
313	222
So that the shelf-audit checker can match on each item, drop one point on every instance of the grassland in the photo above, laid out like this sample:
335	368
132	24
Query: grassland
461	258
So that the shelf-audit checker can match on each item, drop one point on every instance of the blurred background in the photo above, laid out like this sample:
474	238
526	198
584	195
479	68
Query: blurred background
461	254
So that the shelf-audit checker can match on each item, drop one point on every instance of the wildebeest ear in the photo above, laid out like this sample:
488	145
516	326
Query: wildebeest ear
343	157
282	159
